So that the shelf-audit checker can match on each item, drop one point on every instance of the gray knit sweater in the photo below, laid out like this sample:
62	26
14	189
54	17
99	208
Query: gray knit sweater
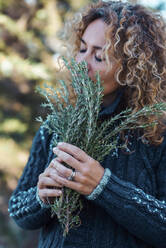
126	210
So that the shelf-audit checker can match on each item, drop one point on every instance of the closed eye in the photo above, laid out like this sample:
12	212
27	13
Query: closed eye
82	50
98	59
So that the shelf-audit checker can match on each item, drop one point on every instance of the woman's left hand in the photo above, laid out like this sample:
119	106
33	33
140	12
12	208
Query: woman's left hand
88	171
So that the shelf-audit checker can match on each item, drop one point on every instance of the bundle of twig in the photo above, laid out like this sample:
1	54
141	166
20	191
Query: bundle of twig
78	125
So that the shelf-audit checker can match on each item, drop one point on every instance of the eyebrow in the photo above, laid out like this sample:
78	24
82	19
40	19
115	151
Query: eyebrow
96	47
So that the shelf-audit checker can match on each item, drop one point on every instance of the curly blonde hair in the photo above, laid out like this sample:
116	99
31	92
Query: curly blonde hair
136	37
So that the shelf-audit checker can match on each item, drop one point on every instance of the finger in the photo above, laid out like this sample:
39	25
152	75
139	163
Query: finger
68	159
75	185
43	193
50	173
52	163
70	184
58	159
50	170
47	182
73	150
62	170
66	172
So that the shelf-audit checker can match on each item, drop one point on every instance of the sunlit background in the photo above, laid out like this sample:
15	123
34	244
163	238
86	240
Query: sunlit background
29	47
156	5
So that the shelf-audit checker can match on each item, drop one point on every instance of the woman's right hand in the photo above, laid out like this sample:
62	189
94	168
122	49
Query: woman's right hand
47	185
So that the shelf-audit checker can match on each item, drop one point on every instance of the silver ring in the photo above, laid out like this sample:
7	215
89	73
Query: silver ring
71	177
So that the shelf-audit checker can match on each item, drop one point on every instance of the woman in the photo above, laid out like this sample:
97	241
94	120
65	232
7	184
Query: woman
124	197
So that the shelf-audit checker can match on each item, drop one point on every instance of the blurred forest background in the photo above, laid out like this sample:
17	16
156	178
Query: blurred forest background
29	47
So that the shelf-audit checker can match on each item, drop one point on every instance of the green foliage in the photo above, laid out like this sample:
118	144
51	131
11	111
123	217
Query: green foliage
78	125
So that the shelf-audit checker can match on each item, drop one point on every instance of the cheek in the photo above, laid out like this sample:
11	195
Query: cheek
109	74
109	81
95	68
99	67
103	73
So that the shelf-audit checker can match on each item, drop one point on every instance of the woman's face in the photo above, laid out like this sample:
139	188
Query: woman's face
92	43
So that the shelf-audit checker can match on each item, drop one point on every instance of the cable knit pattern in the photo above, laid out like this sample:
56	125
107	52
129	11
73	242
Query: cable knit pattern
23	205
127	209
97	191
150	204
140	213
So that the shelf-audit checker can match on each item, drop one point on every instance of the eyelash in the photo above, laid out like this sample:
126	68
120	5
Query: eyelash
96	58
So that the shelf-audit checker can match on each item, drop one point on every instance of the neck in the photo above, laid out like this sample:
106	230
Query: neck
109	98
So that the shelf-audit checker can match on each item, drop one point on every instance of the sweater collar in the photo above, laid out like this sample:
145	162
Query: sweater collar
110	109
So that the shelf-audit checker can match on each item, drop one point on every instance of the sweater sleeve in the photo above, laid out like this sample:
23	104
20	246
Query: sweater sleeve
141	214
24	206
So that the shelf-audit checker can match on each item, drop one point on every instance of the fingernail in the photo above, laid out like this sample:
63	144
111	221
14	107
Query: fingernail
60	143
55	149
